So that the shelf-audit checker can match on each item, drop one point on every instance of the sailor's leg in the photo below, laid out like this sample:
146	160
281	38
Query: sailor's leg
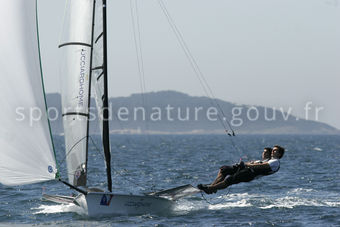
222	173
220	177
244	175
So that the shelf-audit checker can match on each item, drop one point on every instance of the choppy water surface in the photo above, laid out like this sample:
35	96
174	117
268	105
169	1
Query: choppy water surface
305	192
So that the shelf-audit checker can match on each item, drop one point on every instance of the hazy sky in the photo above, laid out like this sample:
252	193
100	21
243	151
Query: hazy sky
277	53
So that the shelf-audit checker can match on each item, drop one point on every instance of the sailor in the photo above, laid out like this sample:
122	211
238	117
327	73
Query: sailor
229	170
245	172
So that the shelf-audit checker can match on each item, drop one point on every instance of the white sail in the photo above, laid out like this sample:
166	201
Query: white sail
26	151
75	75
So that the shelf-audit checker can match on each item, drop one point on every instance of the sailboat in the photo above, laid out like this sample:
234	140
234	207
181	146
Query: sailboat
27	150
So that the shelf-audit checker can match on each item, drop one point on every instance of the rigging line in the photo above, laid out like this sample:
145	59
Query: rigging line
101	153
199	74
116	171
133	20
137	41
127	179
194	62
209	201
140	45
181	43
240	151
62	161
96	147
139	53
208	91
186	48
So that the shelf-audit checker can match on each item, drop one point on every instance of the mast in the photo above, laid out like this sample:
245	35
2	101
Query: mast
106	136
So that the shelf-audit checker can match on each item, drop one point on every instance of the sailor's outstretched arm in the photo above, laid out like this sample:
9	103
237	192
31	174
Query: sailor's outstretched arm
263	165
250	164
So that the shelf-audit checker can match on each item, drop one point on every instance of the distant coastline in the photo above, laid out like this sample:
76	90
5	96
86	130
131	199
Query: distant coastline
171	112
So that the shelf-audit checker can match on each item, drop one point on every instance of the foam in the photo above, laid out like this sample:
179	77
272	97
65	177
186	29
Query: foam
293	201
230	204
59	208
292	198
300	190
317	149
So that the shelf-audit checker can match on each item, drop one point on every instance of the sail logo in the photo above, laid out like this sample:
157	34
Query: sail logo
82	77
106	200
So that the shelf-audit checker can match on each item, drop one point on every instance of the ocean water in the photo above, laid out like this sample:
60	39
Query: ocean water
305	192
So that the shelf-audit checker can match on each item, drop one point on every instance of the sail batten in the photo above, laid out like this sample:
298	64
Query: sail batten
98	68
98	38
76	113
75	44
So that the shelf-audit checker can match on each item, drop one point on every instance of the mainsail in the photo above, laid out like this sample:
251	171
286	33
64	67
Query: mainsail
76	47
26	148
84	60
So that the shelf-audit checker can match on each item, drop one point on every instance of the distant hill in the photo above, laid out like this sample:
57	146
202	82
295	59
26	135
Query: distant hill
171	112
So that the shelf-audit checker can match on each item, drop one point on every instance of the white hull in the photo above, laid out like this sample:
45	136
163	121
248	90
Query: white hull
103	204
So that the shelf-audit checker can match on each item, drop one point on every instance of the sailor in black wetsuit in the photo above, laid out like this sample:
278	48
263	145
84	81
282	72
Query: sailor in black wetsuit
245	172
